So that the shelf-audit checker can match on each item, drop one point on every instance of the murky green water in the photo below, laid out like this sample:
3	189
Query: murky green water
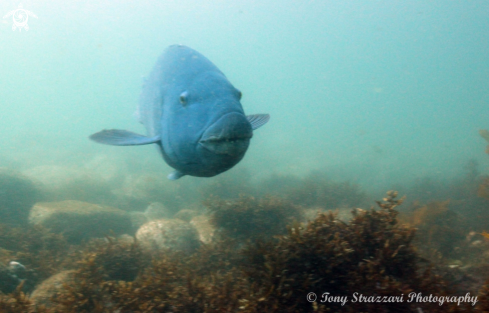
377	92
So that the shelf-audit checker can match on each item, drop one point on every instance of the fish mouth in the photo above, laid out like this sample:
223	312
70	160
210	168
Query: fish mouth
230	135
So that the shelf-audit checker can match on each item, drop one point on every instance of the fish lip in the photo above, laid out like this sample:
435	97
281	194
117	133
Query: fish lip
218	139
204	138
221	146
231	131
215	141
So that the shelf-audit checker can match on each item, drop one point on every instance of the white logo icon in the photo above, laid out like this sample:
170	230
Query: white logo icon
20	18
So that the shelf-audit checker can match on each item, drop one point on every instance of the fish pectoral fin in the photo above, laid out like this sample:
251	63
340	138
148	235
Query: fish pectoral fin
119	137
258	120
175	175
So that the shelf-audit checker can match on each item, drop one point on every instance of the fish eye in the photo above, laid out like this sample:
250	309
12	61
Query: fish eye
240	94
183	97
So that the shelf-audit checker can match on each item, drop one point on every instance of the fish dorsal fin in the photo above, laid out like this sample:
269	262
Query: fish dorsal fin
118	137
258	120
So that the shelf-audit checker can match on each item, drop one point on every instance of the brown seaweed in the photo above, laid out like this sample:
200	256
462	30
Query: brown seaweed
372	254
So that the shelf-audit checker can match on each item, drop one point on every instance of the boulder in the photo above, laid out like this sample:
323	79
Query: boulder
78	220
156	211
8	280
149	188
17	196
186	214
138	219
204	228
12	275
49	288
109	168
69	183
172	234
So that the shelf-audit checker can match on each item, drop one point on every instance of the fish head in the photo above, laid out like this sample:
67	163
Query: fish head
213	133
224	142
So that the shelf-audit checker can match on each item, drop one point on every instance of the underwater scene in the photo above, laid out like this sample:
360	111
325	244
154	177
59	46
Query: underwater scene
244	156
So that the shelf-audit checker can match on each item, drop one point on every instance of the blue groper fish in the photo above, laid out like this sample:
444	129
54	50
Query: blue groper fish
193	113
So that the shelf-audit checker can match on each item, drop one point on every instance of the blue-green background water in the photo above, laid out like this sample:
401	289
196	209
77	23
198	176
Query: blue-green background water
376	92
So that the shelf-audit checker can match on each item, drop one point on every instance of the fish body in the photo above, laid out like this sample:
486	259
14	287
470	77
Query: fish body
193	113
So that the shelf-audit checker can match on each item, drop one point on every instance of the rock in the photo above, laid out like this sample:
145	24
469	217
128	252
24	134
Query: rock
78	220
50	288
67	183
17	196
54	177
16	267
110	169
310	214
127	202
126	239
186	215
168	234
138	219
204	228
156	211
476	243
15	273
149	188
8	280
157	188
